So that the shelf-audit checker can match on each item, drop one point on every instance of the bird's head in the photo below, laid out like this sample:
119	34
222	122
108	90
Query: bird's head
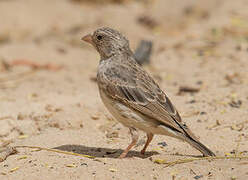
107	42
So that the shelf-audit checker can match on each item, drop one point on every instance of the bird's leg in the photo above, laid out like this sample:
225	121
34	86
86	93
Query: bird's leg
135	136
149	139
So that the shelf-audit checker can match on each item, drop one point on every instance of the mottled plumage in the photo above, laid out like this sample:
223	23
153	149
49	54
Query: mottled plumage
132	96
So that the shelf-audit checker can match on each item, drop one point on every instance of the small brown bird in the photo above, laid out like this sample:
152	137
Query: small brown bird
132	96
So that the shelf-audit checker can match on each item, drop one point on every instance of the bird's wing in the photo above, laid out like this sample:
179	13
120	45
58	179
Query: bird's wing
131	85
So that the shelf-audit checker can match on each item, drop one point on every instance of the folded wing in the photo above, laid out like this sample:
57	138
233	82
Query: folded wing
136	89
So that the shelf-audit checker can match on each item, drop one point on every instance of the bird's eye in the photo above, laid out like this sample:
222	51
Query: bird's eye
99	37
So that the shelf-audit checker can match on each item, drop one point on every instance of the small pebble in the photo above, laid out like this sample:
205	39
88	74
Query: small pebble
202	113
163	144
84	164
112	170
198	176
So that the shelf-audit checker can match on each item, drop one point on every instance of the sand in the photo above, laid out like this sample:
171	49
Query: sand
201	45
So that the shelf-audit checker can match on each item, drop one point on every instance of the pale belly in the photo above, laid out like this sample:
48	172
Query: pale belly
130	118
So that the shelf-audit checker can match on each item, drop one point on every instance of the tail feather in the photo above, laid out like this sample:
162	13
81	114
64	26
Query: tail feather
189	137
199	146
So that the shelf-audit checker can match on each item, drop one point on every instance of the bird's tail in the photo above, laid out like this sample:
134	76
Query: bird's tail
199	146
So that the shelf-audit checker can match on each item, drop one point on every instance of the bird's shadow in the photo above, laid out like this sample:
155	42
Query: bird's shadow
102	152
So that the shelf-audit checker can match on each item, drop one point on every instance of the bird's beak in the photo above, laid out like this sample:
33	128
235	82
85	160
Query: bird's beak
88	39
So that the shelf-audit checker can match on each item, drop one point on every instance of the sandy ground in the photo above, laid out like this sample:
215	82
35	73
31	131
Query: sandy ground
196	44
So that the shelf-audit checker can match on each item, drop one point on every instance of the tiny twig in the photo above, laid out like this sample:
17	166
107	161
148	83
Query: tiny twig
238	145
35	65
186	89
7	152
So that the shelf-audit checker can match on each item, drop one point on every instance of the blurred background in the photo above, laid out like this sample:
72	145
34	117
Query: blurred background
47	75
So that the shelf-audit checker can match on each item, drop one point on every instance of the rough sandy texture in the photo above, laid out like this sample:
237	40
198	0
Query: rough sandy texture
196	44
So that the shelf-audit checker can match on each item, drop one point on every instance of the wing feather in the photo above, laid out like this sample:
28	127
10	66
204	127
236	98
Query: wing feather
141	94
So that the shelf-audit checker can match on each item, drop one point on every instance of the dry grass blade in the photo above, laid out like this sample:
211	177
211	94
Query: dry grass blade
14	80
182	161
57	151
11	84
16	76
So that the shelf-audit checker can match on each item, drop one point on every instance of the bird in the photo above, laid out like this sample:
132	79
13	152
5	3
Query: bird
132	96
